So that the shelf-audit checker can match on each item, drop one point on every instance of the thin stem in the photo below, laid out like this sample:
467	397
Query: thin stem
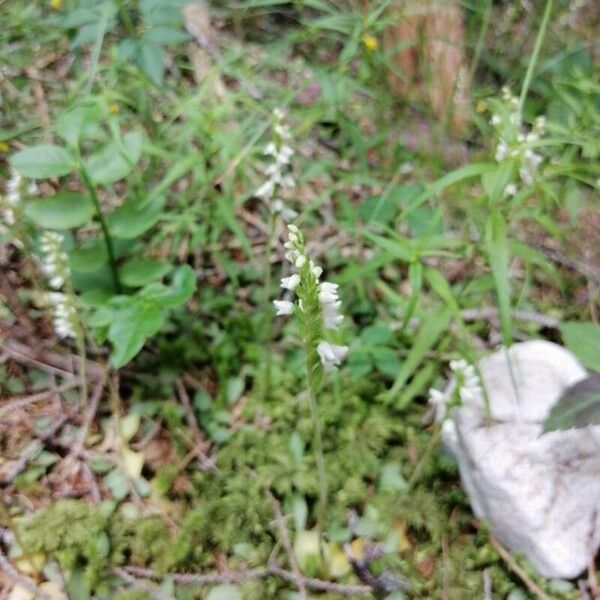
534	55
107	238
126	18
318	443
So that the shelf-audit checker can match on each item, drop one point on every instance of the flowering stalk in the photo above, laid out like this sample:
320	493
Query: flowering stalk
278	178
62	300
317	309
11	204
515	142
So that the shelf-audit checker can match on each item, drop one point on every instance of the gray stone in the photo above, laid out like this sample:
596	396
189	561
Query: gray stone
539	493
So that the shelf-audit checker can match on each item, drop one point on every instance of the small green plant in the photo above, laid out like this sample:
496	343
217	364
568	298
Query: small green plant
150	26
316	309
121	294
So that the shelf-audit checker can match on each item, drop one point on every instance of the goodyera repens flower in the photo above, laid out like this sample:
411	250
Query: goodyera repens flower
277	172
56	268
318	304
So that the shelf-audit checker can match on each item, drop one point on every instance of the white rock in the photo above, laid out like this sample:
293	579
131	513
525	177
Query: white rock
539	493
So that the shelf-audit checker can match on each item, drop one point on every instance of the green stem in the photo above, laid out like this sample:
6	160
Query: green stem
534	55
318	443
107	238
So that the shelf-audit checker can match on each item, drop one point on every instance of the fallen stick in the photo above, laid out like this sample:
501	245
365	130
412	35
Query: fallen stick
518	571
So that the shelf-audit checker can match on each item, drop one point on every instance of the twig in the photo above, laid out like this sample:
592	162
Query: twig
200	442
491	312
89	417
317	585
517	570
487	585
23	581
285	540
12	404
58	364
141	585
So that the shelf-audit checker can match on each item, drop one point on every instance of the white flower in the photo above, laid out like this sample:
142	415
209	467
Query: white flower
55	263
286	212
315	270
291	282
283	307
436	398
331	355
468	381
510	189
496	120
300	261
65	314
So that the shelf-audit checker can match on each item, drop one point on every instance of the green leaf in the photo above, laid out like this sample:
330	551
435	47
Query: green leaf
496	244
579	406
151	60
376	335
61	211
386	361
182	287
45	160
583	339
135	217
429	332
138	272
391	479
134	321
164	36
116	160
116	482
225	592
89	257
71	124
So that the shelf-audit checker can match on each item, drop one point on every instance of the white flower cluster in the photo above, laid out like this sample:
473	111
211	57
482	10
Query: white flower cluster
56	267
13	197
329	303
467	381
65	314
56	263
515	142
277	172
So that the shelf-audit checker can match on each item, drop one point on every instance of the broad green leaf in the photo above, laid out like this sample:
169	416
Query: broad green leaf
151	60
496	244
89	257
133	323
45	160
579	406
182	287
135	217
71	124
61	211
116	160
386	361
138	272
430	330
583	339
